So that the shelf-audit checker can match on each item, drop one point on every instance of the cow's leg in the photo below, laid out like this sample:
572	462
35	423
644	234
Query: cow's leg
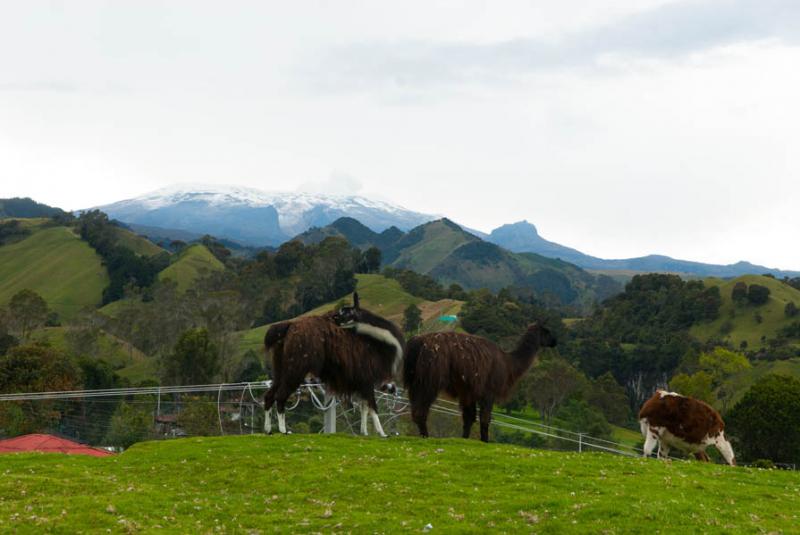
468	413
651	439
725	449
663	450
486	418
702	456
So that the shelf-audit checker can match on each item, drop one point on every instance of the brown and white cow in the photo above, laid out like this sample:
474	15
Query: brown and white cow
685	423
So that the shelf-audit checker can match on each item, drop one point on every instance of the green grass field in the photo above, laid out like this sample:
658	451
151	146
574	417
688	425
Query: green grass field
378	294
190	265
315	484
741	319
57	265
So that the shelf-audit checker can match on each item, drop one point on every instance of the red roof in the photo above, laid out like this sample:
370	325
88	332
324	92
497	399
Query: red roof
48	444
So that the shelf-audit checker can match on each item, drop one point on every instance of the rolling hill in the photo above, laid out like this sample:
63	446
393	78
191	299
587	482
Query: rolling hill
335	483
192	263
738	323
56	264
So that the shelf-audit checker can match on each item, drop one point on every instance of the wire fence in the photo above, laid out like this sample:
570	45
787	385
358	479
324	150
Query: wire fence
236	408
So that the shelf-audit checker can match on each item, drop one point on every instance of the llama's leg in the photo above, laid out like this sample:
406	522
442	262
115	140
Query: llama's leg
486	418
364	414
373	412
285	389
269	399
468	413
419	413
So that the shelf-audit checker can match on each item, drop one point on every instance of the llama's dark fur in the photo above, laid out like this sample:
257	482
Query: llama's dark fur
344	361
468	368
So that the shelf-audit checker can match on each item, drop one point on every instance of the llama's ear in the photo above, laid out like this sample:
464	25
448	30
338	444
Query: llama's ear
355	300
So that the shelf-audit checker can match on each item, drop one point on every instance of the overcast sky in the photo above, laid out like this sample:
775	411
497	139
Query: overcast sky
621	128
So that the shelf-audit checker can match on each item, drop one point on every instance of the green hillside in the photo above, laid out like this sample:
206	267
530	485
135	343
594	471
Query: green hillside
737	323
326	484
191	264
377	294
426	246
128	361
138	244
55	263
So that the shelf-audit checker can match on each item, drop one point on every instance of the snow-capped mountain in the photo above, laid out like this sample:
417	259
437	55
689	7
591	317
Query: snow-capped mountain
253	216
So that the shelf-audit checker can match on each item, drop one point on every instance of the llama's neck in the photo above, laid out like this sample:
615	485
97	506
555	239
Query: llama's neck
521	358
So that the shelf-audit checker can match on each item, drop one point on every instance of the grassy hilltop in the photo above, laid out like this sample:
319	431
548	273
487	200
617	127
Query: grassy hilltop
737	323
312	483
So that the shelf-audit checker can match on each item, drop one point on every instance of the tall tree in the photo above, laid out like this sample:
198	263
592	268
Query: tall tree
28	312
412	319
767	420
194	361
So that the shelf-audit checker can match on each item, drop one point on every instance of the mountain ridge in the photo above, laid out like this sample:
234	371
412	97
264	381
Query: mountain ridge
523	236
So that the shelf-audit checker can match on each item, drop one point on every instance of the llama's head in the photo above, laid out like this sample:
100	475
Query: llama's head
348	316
543	334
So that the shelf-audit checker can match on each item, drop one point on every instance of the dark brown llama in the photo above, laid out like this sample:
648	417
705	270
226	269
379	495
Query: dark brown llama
468	368
346	361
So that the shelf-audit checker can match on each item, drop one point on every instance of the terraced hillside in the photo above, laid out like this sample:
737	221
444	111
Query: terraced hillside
738	323
335	483
192	263
56	264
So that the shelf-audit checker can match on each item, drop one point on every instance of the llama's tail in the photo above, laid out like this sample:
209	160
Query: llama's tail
276	334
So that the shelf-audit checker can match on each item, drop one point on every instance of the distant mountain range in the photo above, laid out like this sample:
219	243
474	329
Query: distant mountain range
253	217
523	237
450	254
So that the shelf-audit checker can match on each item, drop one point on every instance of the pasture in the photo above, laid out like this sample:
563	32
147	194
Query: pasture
336	483
58	265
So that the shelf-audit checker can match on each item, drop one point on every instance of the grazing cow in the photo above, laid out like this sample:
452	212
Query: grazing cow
685	423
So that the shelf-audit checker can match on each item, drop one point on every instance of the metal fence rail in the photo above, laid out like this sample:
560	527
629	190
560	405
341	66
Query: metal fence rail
248	402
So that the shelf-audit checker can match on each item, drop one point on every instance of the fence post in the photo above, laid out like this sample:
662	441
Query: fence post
330	414
580	442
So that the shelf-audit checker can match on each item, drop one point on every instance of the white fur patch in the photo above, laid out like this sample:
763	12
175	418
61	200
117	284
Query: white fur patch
385	336
376	422
282	422
664	393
